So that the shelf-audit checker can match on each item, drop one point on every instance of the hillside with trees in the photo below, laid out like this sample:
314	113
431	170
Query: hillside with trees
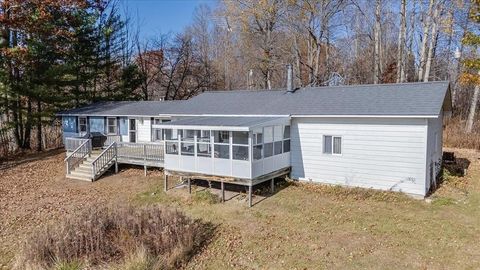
67	53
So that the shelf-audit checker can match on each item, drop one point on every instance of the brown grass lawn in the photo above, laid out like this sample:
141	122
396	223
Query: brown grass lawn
299	227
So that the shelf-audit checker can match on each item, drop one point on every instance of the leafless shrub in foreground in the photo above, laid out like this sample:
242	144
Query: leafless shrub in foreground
106	235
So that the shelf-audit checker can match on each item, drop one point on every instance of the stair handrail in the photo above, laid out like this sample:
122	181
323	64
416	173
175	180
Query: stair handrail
79	154
103	160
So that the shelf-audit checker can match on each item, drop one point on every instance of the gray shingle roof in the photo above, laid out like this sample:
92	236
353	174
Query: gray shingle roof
123	108
220	121
382	99
406	99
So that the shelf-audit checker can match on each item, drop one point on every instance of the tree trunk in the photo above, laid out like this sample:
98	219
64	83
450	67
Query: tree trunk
39	126
432	45
473	108
376	53
459	66
298	75
423	47
401	43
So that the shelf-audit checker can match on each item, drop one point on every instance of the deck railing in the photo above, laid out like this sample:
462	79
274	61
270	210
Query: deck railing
105	160
112	138
78	155
141	151
73	143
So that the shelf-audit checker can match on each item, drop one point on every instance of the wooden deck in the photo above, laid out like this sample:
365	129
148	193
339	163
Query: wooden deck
146	154
142	154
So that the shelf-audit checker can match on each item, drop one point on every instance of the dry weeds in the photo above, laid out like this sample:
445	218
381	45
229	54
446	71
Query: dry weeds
109	234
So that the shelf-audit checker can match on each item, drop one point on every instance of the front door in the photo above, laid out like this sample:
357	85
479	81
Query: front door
132	131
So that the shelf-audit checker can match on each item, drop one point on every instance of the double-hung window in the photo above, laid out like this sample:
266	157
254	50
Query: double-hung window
111	125
332	145
82	124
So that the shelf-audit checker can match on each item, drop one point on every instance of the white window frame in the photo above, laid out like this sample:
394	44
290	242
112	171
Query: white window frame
241	145
108	126
286	139
208	143
333	140
255	142
229	143
80	125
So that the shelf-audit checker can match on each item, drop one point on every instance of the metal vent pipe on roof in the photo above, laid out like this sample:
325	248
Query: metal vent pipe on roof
290	79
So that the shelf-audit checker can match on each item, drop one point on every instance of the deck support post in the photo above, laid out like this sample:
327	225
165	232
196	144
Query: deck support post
223	191
189	185
272	185
250	196
145	170
165	181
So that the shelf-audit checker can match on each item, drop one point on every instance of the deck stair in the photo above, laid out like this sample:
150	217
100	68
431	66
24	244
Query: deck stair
91	164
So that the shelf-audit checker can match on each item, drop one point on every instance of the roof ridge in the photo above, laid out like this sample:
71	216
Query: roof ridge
336	86
378	84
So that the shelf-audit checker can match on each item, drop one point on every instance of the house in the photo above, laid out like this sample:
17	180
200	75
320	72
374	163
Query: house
386	137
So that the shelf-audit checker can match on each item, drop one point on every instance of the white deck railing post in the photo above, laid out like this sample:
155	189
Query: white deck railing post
145	159
116	158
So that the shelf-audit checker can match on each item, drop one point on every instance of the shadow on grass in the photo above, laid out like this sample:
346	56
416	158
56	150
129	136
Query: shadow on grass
23	158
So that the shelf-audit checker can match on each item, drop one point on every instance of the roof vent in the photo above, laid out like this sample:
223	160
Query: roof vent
290	88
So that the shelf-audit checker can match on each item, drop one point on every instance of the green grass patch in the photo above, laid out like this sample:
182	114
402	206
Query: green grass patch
154	195
206	197
443	201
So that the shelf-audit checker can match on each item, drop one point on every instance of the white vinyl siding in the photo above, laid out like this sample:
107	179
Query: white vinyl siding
434	149
144	130
386	154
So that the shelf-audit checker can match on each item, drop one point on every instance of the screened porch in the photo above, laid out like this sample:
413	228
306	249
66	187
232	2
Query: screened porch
233	147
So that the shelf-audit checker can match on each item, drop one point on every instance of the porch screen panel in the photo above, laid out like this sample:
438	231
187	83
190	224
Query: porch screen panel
240	145
268	142
171	144
221	147
204	148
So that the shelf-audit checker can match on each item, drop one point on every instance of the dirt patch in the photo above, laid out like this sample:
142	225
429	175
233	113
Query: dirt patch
34	191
